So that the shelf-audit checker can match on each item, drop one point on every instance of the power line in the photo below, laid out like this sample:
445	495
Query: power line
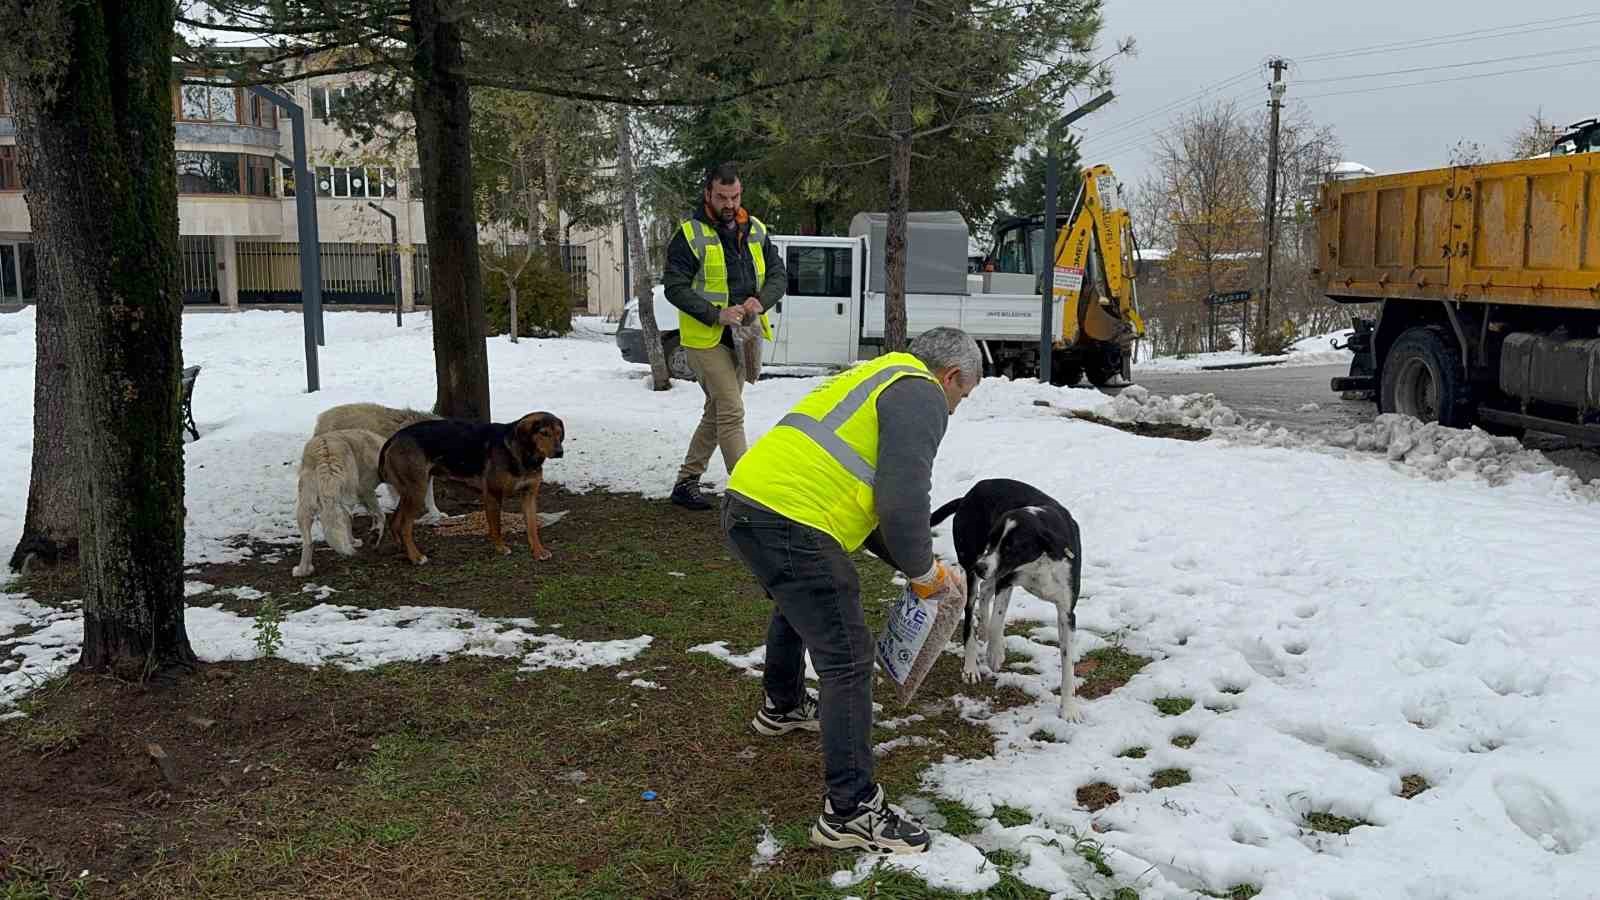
1388	87
1129	123
1463	37
1462	65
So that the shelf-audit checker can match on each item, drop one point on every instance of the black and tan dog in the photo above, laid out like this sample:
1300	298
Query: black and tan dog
498	460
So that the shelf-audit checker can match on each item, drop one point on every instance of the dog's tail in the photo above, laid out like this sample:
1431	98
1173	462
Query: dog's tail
945	511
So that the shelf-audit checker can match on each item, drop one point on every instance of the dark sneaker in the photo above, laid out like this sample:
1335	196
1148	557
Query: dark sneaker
770	722
873	826
687	495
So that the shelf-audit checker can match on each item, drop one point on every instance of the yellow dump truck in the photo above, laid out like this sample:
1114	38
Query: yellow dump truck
1487	285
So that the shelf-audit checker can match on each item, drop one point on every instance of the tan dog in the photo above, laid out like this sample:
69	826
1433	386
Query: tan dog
337	470
498	460
385	421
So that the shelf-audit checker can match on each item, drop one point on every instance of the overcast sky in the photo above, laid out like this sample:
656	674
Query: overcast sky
1186	47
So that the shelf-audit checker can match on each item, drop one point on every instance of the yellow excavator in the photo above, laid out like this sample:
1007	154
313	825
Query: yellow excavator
1095	265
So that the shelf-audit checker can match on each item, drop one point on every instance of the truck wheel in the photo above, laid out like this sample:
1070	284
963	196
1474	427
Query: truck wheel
1101	372
1065	374
677	359
1422	377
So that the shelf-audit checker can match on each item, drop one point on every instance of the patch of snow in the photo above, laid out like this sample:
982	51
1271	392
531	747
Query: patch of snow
949	864
1311	351
767	849
884	748
647	685
751	663
194	588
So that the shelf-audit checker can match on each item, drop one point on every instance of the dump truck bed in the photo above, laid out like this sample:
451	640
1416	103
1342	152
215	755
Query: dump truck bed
1525	232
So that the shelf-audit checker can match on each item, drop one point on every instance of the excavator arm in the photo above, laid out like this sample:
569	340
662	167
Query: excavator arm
1094	266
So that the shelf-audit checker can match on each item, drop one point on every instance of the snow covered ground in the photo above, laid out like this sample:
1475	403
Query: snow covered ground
1338	622
1311	351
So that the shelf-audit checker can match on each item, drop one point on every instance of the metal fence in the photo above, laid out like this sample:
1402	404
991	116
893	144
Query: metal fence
199	265
351	273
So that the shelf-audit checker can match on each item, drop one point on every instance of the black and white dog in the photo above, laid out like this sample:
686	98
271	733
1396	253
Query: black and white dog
1008	533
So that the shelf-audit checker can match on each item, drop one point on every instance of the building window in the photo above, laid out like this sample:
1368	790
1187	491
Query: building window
288	181
326	102
9	179
208	103
224	173
819	271
262	113
5	98
377	182
414	188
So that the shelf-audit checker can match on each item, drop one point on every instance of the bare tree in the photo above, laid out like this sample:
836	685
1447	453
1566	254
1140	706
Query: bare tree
628	184
1467	153
1534	137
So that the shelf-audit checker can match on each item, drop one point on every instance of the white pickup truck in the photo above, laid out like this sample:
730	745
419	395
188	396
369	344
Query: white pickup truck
832	312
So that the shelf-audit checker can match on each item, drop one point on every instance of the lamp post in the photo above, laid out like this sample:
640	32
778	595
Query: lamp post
394	241
1052	184
305	205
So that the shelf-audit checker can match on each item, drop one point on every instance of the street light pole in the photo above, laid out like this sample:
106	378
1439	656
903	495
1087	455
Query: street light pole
1052	184
305	205
394	241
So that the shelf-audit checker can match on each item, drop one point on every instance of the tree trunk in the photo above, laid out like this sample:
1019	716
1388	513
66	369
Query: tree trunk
439	101
660	379
552	206
511	307
50	526
95	106
894	241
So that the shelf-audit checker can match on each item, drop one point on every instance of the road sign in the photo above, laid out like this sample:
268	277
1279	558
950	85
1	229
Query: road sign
1230	297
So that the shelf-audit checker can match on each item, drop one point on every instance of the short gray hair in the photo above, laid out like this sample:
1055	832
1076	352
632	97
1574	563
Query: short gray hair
949	348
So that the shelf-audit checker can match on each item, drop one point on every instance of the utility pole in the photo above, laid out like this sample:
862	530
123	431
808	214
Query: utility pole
1276	89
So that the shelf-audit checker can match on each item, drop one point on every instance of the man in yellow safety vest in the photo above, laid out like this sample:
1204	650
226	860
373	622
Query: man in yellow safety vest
850	466
721	271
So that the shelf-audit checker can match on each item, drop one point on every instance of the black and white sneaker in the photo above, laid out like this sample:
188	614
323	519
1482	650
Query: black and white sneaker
874	826
771	723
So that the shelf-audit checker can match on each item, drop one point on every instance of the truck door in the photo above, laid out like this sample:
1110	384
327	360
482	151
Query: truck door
814	323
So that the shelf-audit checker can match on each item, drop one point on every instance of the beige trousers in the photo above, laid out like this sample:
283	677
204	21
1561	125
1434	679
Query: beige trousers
722	420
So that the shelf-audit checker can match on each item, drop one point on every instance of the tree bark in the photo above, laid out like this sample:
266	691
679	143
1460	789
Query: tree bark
894	241
50	525
660	378
94	119
440	104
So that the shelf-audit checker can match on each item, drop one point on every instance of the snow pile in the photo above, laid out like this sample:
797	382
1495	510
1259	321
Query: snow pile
347	636
1312	351
1137	404
767	849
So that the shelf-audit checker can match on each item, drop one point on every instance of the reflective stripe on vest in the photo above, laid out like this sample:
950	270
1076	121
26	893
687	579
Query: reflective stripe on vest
826	430
819	464
711	281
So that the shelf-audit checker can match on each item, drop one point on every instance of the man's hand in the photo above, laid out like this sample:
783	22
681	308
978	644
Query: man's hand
752	306
940	583
732	315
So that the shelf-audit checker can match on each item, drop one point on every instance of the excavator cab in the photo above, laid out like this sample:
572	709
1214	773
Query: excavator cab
1581	137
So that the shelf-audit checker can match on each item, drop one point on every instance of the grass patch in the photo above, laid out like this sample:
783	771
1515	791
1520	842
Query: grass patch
1105	669
456	778
1184	741
1134	753
1011	817
958	819
1331	824
1125	893
1166	778
1005	859
1097	796
1173	706
1044	737
1412	785
1237	892
1094	853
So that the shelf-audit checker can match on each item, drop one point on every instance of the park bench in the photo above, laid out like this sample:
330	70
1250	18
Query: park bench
189	375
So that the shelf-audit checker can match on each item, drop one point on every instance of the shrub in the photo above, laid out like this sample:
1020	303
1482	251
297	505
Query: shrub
543	291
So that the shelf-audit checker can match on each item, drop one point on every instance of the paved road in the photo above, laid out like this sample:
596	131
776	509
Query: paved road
1285	396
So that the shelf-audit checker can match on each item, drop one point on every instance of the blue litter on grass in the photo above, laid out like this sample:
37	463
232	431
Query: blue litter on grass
648	795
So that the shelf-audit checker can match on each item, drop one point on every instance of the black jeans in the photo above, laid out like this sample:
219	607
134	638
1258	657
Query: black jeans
817	607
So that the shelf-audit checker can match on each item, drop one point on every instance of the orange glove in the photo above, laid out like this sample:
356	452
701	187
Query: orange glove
938	580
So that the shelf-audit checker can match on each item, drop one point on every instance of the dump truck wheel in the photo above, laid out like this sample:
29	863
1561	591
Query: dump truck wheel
1422	378
1065	374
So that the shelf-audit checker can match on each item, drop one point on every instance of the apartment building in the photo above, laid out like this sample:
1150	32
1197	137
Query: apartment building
236	209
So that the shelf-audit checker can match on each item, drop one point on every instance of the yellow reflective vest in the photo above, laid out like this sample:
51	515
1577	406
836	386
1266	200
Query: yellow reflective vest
711	282
818	464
